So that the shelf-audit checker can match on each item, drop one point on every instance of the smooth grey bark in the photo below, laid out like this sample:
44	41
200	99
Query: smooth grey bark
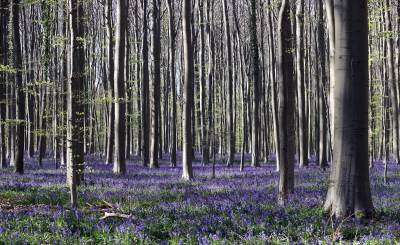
349	192
75	124
119	88
172	36
155	91
111	107
303	128
330	19
187	90
390	62
203	121
274	96
229	81
210	77
286	105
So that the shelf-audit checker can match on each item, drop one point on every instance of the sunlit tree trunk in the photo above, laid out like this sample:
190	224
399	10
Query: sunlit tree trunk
350	192
187	90
119	88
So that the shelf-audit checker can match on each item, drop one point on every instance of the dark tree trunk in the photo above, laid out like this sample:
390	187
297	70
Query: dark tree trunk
155	100
76	117
20	95
286	105
4	15
145	89
255	78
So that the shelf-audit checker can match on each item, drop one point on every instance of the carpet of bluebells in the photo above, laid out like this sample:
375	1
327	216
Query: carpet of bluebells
232	208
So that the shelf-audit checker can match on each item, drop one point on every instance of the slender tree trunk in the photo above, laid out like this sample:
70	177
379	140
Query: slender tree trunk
145	89
255	77
172	34
303	129
187	90
4	15
323	125
119	88
155	100
20	95
330	19
229	82
111	122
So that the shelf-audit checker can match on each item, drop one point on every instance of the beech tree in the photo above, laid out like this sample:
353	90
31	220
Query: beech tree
75	124
187	90
286	104
119	89
350	192
255	78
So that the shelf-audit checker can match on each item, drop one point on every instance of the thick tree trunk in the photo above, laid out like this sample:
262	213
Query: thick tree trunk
286	105
75	135
350	192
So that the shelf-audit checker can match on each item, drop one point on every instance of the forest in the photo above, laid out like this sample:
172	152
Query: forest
199	121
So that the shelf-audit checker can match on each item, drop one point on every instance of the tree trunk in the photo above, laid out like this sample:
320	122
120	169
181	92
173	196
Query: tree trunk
229	82
145	89
111	121
20	94
172	34
350	192
155	100
187	90
286	105
119	88
75	135
303	129
255	77
4	15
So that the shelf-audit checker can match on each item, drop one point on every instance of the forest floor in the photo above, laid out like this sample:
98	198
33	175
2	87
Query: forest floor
157	207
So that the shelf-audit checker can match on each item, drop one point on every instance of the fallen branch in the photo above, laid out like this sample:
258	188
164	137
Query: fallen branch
115	215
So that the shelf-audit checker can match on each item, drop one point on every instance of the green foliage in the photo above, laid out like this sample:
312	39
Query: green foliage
7	69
